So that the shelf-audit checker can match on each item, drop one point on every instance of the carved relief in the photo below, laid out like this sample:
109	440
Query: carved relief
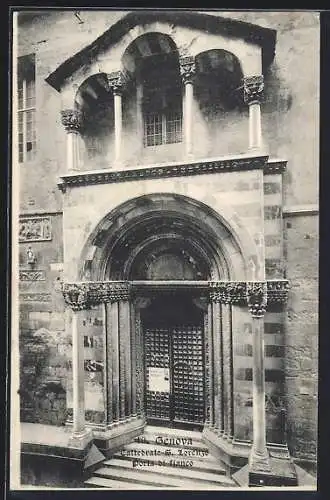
253	88
35	229
277	291
117	81
35	297
72	120
75	296
227	292
187	69
256	296
32	275
94	293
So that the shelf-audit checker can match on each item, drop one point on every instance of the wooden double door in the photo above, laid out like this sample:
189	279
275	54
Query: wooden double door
174	368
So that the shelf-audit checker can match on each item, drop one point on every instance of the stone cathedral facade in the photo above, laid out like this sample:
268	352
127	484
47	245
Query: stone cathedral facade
168	229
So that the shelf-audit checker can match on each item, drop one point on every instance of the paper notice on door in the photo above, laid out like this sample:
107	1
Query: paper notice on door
159	379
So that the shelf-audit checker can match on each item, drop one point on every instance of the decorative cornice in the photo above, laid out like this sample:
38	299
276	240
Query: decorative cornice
275	167
296	210
256	297
253	88
187	69
277	291
72	120
242	292
117	81
83	295
230	292
157	172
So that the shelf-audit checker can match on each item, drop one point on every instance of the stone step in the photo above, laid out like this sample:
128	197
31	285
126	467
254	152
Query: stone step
137	477
162	475
204	464
101	482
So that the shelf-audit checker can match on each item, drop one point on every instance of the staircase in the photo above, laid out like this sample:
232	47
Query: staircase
162	459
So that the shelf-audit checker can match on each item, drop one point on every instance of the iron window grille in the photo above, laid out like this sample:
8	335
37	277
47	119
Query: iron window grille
162	117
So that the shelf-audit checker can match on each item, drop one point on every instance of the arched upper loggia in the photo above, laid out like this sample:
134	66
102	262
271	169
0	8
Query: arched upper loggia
223	239
69	75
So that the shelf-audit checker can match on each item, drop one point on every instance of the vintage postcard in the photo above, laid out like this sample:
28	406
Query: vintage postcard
165	169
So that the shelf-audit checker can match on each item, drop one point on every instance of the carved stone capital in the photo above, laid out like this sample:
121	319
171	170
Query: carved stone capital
253	88
117	81
75	296
256	296
72	120
187	69
85	295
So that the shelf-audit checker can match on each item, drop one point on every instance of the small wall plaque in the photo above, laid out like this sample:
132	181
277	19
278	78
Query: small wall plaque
35	229
32	275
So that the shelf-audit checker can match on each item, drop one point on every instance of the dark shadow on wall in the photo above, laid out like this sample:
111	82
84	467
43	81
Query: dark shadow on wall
42	400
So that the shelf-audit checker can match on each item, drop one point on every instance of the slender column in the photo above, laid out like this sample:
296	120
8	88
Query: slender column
75	298
133	361
108	362
188	71
116	82
114	329
253	89
72	122
257	302
78	377
125	358
227	369
217	367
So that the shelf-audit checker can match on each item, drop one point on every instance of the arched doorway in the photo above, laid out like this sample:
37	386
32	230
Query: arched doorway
173	337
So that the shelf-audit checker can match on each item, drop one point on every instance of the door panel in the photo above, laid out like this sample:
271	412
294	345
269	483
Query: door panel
174	371
187	375
157	350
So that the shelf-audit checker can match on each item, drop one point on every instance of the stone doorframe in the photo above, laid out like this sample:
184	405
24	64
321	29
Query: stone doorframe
122	302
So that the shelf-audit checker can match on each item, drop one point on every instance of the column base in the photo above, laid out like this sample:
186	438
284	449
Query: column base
282	473
112	437
80	440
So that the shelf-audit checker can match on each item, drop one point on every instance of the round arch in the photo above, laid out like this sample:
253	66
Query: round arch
217	240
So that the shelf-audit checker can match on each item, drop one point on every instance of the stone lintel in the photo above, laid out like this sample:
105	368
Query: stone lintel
83	295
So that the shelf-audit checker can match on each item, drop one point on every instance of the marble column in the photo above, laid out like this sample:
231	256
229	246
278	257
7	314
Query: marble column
125	359
114	377
227	370
76	300
257	302
72	122
218	361
116	83
253	89
188	71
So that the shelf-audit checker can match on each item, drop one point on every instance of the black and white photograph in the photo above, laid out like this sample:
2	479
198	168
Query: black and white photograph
165	249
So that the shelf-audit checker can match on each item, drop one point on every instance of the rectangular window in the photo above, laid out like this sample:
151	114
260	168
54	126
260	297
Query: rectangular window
26	108
162	117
